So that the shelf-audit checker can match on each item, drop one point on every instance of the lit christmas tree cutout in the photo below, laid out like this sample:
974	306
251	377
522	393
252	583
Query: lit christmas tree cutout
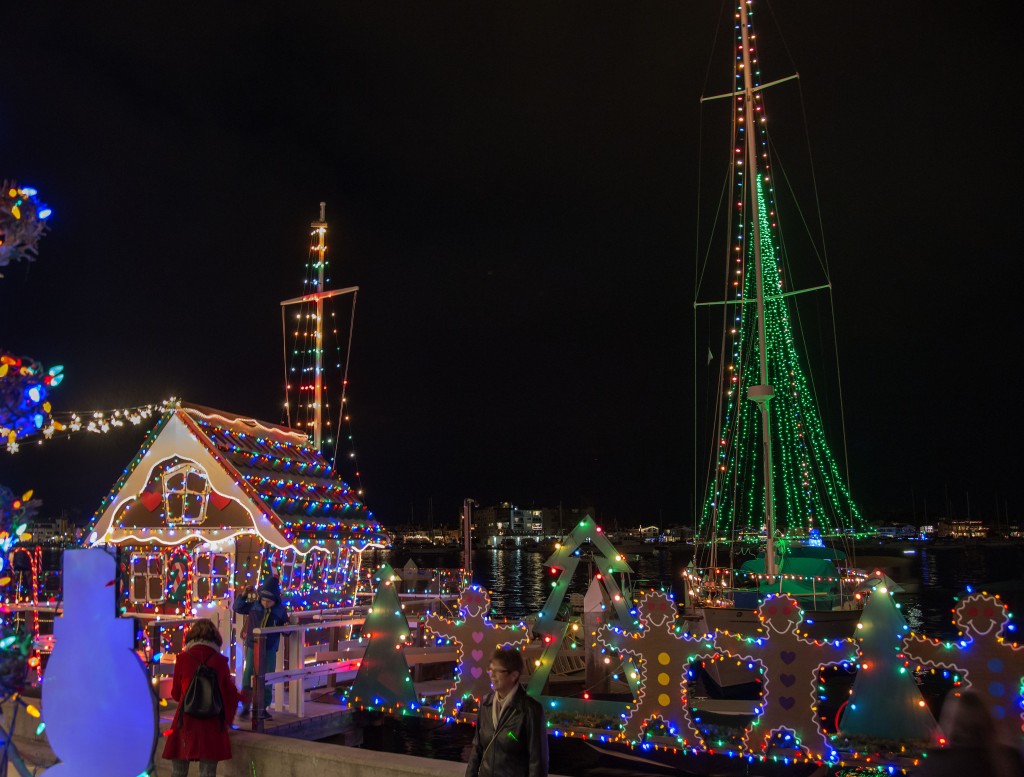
563	562
383	679
885	701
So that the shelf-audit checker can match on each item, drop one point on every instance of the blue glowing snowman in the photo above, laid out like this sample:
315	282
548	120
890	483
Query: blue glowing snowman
100	710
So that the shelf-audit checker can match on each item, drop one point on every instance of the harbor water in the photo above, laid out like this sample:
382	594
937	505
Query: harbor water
520	582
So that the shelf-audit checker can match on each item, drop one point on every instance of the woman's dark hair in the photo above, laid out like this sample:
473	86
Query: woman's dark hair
204	631
510	659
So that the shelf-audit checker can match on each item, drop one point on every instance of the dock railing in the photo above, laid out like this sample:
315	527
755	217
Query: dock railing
319	648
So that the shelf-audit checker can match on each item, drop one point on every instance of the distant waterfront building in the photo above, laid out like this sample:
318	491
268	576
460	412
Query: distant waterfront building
505	522
898	531
967	528
56	531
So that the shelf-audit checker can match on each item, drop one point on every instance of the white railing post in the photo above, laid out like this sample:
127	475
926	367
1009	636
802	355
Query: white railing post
296	660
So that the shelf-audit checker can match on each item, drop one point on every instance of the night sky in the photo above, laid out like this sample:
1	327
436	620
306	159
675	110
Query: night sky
514	187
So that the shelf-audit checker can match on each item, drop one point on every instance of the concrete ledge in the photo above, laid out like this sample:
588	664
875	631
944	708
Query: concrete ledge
269	756
265	755
283	757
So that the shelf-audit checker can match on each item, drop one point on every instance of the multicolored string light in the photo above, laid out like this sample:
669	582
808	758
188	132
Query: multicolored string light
22	223
810	491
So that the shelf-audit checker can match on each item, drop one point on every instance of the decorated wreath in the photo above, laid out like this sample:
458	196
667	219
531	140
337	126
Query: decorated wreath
22	222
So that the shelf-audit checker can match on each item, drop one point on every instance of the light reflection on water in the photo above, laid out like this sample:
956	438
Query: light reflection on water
520	583
515	579
945	573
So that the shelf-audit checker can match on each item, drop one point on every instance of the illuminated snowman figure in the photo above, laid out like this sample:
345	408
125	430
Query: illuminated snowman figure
96	690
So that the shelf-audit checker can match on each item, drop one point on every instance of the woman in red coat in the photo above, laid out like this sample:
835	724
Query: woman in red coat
200	739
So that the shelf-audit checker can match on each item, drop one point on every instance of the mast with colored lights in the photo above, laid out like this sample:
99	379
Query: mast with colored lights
761	393
318	253
772	470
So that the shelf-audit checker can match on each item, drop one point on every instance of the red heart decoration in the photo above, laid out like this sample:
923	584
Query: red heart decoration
150	500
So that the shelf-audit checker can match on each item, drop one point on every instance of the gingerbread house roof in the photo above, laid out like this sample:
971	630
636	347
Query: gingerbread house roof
211	474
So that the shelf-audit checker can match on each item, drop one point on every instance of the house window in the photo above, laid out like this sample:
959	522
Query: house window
341	571
148	577
212	578
186	492
290	565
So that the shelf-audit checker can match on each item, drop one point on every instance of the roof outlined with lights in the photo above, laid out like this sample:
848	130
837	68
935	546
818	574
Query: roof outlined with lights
212	475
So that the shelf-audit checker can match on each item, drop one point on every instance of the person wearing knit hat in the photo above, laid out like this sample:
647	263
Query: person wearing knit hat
263	609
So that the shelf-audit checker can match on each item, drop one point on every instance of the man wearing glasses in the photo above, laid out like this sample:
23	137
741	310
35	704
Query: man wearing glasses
511	738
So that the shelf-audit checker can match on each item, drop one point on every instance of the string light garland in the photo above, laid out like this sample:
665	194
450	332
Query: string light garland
66	423
809	489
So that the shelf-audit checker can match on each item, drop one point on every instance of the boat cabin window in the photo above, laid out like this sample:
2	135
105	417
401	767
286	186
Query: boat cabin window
339	574
291	565
148	577
318	566
212	578
186	491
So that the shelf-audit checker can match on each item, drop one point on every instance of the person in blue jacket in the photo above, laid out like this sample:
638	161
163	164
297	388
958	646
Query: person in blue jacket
263	609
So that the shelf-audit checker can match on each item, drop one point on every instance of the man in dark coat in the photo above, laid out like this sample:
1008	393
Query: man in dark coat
511	738
264	610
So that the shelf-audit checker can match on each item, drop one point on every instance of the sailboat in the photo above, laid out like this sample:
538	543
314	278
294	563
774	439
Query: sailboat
777	515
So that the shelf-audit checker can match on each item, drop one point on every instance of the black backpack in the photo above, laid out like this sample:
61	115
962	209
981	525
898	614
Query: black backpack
203	699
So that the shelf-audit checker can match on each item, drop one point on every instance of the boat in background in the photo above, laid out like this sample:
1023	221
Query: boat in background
777	515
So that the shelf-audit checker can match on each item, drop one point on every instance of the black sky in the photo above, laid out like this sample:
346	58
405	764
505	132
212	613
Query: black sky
513	186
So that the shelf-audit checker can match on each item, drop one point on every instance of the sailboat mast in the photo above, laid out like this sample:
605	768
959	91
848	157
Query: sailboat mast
318	376
762	393
316	267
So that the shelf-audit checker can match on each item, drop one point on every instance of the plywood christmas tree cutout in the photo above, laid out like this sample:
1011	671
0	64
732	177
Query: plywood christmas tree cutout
885	701
563	562
383	679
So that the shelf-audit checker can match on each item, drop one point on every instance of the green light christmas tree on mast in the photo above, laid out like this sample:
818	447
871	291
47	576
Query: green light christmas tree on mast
799	487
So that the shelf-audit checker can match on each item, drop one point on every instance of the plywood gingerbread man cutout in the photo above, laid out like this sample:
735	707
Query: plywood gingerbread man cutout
662	653
990	665
789	666
477	638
